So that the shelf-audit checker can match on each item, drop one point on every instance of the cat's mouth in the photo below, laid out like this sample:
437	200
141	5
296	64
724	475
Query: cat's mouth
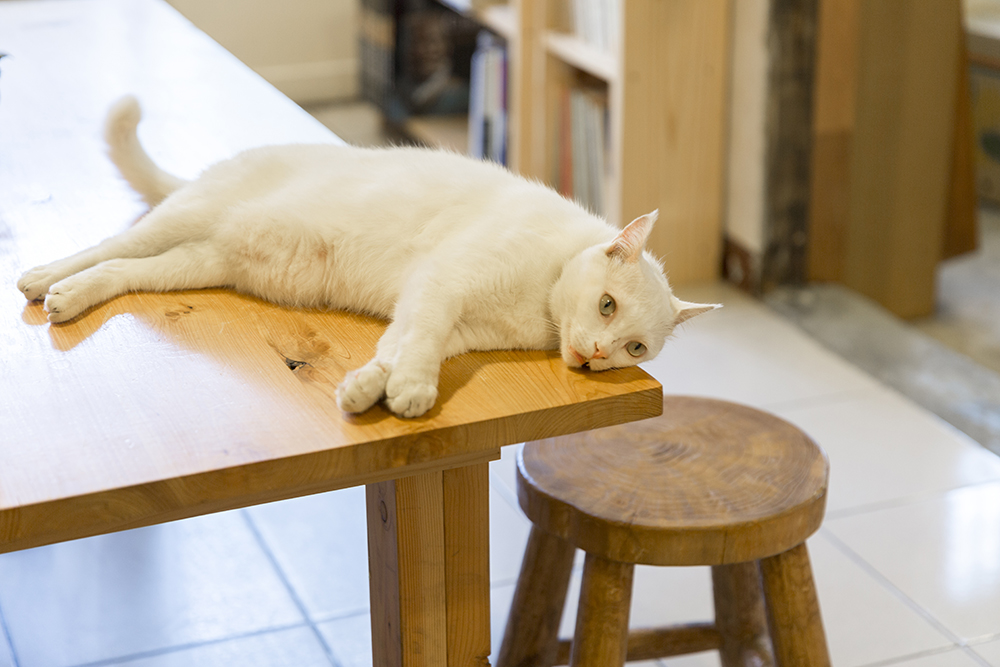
580	359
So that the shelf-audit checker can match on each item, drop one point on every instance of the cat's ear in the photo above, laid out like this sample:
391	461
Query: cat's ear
630	241
685	310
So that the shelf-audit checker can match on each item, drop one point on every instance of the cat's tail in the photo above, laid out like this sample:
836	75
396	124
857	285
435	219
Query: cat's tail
132	161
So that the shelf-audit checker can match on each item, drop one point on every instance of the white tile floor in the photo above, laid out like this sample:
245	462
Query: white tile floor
907	563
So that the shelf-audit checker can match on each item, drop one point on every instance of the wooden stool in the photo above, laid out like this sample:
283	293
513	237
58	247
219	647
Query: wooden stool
708	483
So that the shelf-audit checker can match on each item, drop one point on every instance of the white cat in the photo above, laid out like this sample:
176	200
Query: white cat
461	255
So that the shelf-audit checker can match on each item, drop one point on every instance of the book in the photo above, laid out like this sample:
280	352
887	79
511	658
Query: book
488	99
582	147
597	22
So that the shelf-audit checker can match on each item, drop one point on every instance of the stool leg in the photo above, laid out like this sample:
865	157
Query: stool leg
740	617
532	633
793	610
601	636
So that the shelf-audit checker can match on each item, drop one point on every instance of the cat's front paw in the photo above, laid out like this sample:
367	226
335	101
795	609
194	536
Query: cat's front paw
65	301
362	388
409	397
34	284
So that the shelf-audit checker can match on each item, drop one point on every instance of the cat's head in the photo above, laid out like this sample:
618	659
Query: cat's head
613	305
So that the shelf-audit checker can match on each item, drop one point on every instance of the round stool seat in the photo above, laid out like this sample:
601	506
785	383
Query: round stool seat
707	483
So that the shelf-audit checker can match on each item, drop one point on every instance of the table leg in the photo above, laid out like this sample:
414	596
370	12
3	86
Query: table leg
428	555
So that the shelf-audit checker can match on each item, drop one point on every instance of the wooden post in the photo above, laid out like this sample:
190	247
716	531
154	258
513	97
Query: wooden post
428	560
668	142
739	615
467	564
793	610
901	156
835	101
527	90
532	632
838	109
601	635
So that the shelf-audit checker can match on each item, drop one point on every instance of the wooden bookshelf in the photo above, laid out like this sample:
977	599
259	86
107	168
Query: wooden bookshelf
577	53
666	85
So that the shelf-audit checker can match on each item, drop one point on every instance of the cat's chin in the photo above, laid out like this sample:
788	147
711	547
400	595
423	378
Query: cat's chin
573	359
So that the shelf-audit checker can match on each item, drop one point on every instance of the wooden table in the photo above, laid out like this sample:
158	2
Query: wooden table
156	407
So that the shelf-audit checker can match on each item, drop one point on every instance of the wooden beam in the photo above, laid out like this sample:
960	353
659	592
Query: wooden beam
901	159
467	564
407	571
670	99
428	560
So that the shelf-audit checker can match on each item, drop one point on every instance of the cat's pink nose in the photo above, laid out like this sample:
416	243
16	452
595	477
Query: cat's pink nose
598	354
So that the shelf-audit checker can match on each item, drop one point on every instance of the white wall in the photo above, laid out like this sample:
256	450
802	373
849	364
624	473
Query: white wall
305	48
748	112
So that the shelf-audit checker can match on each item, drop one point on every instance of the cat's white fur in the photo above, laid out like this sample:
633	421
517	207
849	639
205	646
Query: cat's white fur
460	255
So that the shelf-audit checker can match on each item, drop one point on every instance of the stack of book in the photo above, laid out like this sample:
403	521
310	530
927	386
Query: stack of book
488	100
583	137
597	22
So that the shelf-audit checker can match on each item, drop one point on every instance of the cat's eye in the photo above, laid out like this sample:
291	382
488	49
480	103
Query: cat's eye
607	305
636	349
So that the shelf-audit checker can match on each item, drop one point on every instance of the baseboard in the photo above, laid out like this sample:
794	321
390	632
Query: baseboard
314	81
740	266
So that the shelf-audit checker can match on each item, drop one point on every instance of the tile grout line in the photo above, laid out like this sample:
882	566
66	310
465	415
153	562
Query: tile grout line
892	588
924	654
505	492
903	501
968	650
6	636
823	400
296	600
177	648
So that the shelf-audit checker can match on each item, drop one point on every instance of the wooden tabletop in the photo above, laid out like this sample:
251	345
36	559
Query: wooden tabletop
155	407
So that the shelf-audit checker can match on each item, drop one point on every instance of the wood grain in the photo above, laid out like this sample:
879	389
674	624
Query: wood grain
466	493
902	151
531	635
407	571
601	636
834	102
428	555
708	483
669	128
652	643
383	576
793	610
880	84
156	407
961	223
740	615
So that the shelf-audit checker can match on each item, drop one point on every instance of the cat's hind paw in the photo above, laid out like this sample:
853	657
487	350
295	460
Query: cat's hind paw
362	388
409	398
34	284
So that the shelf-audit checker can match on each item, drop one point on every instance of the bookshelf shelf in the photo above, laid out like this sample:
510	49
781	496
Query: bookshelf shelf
665	88
574	51
500	19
